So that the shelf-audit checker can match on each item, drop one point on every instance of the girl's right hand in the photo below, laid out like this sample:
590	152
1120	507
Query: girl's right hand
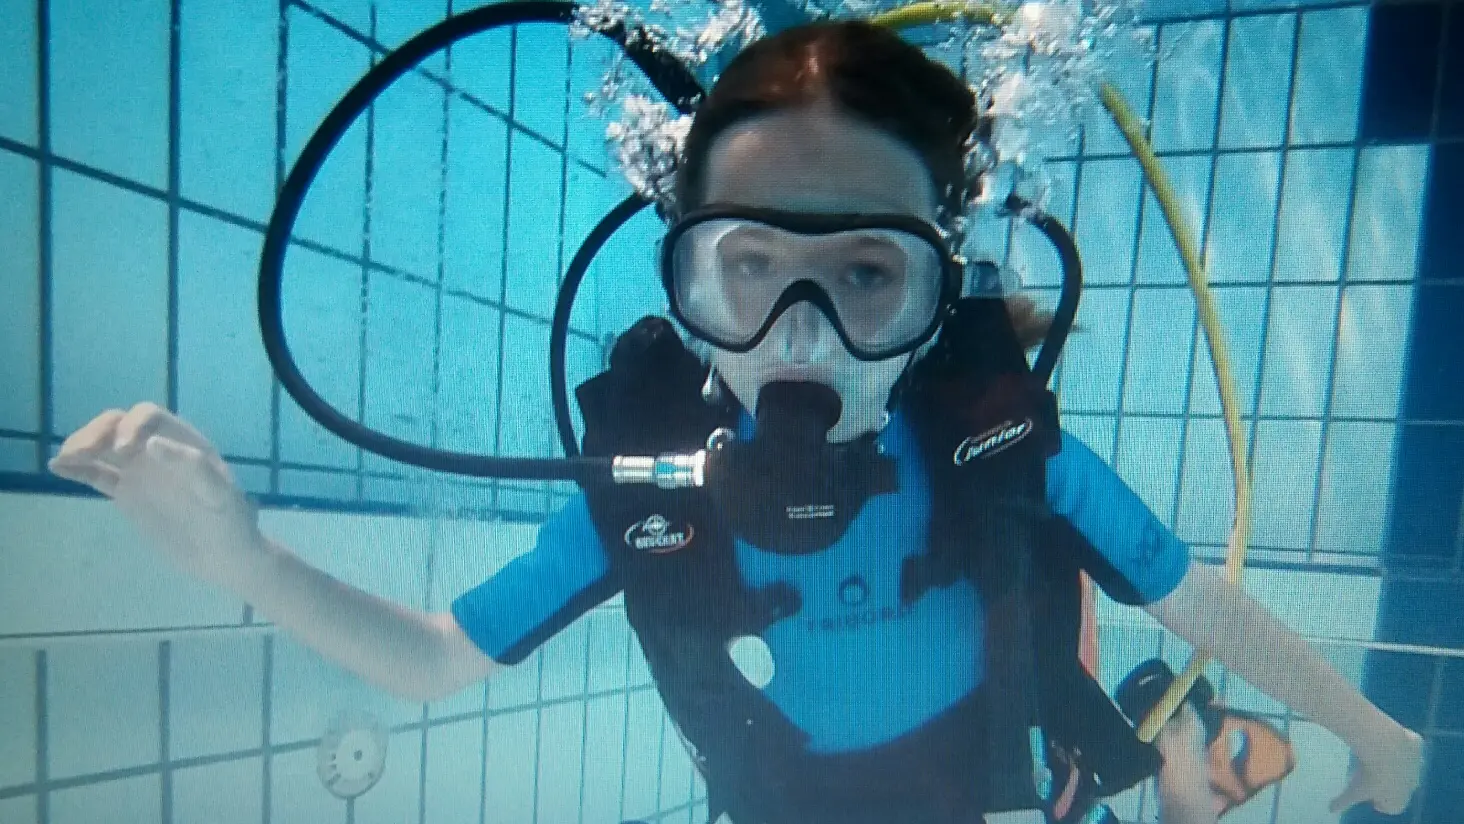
171	483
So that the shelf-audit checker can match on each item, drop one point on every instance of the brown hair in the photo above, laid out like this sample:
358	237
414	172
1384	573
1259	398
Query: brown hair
868	72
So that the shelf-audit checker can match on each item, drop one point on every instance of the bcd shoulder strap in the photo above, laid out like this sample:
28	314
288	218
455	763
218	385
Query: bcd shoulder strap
987	427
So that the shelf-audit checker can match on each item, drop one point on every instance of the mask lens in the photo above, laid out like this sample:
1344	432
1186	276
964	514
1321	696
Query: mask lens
728	274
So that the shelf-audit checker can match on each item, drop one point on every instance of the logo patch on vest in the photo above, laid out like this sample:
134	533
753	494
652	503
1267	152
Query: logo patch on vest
992	441
853	591
808	512
656	536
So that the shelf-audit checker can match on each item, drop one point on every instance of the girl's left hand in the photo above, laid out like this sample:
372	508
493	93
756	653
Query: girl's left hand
1386	774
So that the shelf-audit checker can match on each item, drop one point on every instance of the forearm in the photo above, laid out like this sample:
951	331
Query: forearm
395	648
1215	615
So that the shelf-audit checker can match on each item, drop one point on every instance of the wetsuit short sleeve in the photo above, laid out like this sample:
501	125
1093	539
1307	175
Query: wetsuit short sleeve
540	592
1140	560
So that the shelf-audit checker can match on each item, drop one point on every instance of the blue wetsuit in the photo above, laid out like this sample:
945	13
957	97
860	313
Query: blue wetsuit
891	668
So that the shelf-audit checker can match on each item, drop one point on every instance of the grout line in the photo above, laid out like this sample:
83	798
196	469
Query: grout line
1439	74
1216	416
1133	274
1329	389
428	605
483	750
282	87
1197	331
43	737
1233	12
165	725
1321	640
46	252
1270	282
175	117
364	338
266	732
660	762
1281	785
504	252
584	724
422	763
1269	148
1060	368
434	434
537	759
1436	685
625	725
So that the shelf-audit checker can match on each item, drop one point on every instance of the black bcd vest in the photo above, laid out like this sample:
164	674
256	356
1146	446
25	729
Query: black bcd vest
985	429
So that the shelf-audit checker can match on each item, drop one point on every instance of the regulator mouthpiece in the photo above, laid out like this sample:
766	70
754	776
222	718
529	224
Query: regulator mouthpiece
788	490
797	414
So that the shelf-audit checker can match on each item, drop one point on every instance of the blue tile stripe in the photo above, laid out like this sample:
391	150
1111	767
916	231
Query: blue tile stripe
1423	587
1399	93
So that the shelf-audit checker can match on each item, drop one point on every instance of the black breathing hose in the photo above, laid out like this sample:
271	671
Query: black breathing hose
669	77
1072	285
681	88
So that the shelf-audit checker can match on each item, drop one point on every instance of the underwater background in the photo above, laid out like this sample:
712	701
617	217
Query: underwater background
1319	151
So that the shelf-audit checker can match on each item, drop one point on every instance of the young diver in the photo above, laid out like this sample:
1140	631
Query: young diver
841	682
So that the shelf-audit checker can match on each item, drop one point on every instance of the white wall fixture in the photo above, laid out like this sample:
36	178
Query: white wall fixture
352	754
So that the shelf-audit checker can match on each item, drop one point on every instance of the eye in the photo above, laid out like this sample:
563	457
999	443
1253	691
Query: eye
868	275
747	264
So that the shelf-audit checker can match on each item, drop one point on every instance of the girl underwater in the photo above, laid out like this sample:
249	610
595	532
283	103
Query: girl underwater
832	150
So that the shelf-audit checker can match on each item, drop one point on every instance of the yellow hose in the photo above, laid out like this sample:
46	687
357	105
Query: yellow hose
938	11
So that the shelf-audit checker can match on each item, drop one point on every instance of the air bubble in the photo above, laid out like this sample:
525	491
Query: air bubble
1037	74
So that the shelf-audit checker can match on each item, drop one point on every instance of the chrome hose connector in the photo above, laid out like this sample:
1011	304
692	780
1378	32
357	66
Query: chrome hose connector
667	471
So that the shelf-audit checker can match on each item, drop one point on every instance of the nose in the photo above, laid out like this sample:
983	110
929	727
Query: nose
803	335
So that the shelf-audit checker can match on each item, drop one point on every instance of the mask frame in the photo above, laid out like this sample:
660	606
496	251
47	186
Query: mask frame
806	290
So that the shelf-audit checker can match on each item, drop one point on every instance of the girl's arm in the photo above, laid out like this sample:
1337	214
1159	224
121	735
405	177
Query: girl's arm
170	482
415	655
1212	614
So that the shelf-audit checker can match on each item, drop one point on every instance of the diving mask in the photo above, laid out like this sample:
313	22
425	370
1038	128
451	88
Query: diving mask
884	282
